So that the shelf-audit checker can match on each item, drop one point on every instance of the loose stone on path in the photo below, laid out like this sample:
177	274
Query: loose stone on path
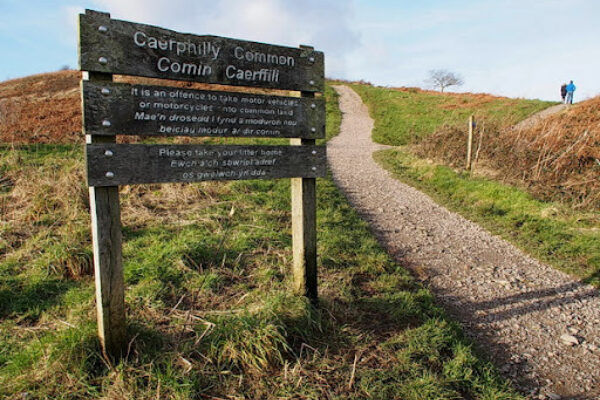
526	315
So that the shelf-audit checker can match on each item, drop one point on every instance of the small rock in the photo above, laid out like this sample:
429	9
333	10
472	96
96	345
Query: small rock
554	396
572	330
569	339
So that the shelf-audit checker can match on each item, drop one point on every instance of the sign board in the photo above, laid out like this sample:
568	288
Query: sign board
107	47
127	48
113	108
126	164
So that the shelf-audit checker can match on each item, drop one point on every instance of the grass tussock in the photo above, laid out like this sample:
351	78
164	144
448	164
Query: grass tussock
210	313
44	206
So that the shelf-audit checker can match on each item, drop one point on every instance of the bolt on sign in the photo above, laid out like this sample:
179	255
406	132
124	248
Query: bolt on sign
108	46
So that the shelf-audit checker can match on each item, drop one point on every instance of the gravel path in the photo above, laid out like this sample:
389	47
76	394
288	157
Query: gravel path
537	117
538	325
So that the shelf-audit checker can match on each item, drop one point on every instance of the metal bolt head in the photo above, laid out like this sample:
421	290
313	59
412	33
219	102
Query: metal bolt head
102	29
110	175
105	91
313	106
314	152
106	123
311	59
108	153
313	129
312	82
103	60
314	168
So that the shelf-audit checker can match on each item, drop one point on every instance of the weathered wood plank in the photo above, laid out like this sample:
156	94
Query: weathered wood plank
304	237
125	164
108	269
123	47
108	265
111	109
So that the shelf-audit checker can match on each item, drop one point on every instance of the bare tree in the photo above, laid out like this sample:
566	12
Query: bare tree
443	78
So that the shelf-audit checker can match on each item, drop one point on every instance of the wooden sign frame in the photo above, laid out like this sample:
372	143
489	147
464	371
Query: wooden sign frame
107	47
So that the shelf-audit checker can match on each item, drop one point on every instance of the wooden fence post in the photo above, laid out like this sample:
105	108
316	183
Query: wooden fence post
108	267
470	143
304	227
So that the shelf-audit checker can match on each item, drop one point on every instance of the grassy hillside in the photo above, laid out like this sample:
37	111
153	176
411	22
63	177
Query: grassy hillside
209	310
407	115
555	232
557	158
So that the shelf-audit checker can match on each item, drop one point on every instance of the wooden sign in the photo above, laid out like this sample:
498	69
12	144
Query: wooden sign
107	47
123	47
113	108
127	164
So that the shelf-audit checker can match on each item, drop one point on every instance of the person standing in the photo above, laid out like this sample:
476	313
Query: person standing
570	89
563	91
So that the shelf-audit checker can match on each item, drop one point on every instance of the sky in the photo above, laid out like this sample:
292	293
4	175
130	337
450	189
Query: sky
515	48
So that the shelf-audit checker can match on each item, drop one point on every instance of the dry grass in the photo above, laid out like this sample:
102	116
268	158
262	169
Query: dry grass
43	213
41	108
561	155
46	108
166	203
45	207
557	158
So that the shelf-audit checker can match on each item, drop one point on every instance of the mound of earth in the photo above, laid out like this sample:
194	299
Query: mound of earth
44	108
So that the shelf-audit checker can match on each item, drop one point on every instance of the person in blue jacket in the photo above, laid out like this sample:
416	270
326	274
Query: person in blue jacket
570	89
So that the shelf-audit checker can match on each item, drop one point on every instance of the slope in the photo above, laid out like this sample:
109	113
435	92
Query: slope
210	312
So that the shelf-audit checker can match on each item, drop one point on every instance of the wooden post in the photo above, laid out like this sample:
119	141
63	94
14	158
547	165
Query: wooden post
108	267
470	143
304	232
304	227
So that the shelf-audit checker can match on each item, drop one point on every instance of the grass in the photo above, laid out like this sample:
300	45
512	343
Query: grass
210	313
550	231
407	116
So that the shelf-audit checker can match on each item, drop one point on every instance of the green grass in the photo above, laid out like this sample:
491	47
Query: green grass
334	115
210	313
553	232
404	117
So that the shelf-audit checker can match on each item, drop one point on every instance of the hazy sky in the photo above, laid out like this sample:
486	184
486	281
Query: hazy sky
517	48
